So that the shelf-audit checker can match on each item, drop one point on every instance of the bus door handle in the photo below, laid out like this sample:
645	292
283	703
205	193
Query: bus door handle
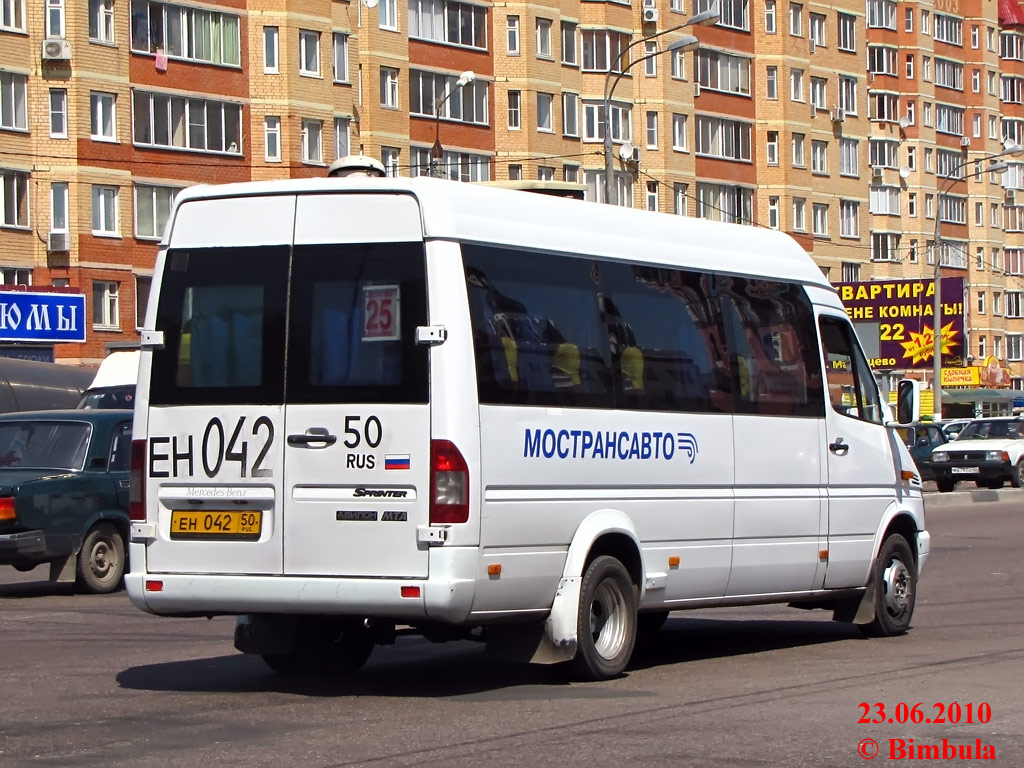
839	448
313	437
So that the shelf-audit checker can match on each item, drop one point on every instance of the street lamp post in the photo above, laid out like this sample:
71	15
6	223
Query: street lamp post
1010	149
437	151
689	42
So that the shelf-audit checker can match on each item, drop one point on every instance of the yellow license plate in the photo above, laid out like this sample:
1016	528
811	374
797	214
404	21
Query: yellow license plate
240	524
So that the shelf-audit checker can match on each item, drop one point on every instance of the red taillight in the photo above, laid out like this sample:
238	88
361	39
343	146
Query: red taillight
449	484
137	481
7	508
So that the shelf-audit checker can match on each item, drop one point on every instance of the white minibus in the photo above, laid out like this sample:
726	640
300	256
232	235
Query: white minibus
370	406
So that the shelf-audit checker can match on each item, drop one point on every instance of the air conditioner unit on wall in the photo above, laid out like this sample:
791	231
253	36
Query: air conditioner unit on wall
58	242
650	15
838	115
876	172
56	49
965	141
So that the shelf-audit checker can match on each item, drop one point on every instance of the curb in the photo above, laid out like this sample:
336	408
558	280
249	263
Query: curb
966	493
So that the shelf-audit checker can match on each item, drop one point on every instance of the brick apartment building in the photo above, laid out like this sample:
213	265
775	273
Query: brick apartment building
848	125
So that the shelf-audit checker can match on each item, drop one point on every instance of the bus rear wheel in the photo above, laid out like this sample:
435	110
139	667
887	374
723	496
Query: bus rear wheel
606	622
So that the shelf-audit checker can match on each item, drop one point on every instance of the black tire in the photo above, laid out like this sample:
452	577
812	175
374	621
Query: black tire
606	620
894	580
995	483
944	485
101	560
1017	478
323	647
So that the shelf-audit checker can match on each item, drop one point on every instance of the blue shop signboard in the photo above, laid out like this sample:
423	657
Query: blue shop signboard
42	317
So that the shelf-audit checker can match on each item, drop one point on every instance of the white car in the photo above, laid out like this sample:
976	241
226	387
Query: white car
988	451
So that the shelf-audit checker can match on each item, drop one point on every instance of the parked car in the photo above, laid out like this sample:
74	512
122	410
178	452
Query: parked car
64	494
988	451
920	440
953	427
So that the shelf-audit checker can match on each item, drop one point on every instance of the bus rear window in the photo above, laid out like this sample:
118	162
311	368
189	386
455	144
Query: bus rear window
222	314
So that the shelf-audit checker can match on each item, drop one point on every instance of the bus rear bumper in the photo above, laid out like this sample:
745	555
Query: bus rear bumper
446	597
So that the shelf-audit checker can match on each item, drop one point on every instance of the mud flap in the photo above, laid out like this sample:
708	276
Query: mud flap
858	610
64	570
550	642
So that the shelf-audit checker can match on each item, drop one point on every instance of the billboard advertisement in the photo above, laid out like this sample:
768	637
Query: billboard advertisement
895	321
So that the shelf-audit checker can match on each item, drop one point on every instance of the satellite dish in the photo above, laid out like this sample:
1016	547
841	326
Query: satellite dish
370	3
626	151
904	121
904	171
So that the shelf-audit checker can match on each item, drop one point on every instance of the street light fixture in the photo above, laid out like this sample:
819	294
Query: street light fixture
1009	149
687	43
437	151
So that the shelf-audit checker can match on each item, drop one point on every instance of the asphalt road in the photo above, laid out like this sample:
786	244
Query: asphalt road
91	681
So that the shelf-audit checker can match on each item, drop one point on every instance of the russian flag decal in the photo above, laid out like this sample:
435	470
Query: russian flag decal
396	461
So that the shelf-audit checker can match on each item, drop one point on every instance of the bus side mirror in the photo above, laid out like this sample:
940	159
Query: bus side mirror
908	401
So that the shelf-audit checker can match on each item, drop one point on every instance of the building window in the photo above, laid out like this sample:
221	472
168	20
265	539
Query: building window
817	31
912	204
796	21
798	150
847	32
446	21
309	53
54	18
849	157
545	173
543	38
16	276
101	21
569	53
602	49
545	120
389	158
771	83
341	137
13	101
679	195
719	137
593	122
772	148
819	157
59	206
722	71
652	130
143	283
734	13
194	34
799	214
818	96
270	50
180	122
152	209
514	110
389	14
515	172
678	65
679	132
774	217
849	218
982	345
769	17
512	35
312	141
58	113
104	210
650	60
14	198
796	84
570	114
272	139
105	305
910	66
389	87
652	196
340	57
466	104
12	15
850	272
819	222
104	127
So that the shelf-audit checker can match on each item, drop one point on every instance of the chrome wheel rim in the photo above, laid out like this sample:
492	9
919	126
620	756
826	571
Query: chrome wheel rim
608	619
896	583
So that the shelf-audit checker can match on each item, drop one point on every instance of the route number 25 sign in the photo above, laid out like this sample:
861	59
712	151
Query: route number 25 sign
381	320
